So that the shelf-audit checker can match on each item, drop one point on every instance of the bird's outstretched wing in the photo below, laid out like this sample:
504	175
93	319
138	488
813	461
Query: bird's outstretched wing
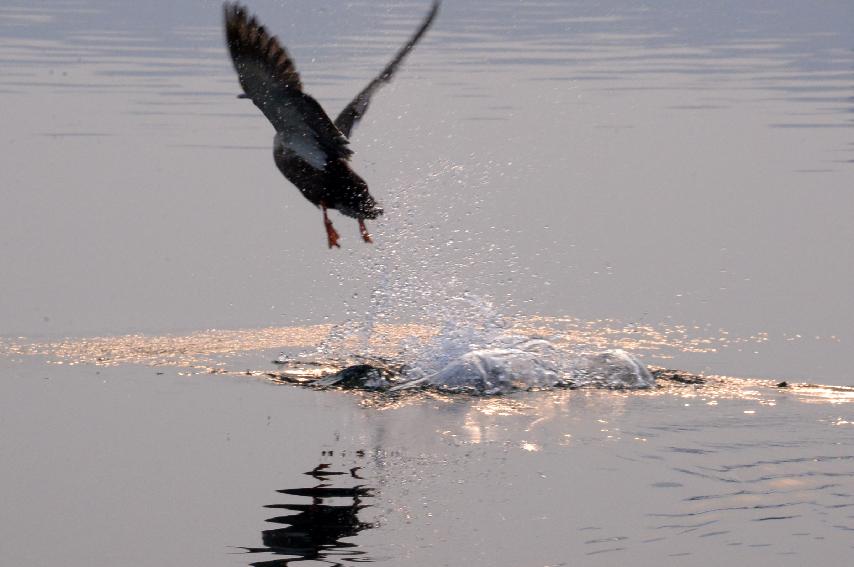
357	107
269	77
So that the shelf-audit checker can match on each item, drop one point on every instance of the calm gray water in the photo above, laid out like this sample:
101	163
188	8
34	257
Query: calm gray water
673	178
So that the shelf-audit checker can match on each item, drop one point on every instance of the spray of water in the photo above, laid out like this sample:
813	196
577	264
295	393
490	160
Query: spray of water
411	280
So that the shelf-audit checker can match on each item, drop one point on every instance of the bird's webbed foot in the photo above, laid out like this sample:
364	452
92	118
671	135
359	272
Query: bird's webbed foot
363	230
332	235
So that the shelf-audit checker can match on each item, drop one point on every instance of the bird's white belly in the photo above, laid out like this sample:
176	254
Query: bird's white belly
304	147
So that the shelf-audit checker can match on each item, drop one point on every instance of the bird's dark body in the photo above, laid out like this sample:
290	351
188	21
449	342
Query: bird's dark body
336	186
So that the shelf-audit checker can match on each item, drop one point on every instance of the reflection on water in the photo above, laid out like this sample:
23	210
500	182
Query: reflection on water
705	475
726	470
582	473
315	529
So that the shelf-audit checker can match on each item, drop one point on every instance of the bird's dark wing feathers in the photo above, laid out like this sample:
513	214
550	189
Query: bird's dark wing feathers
359	105
269	77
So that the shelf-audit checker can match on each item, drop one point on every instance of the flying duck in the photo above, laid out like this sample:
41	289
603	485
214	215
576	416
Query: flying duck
310	150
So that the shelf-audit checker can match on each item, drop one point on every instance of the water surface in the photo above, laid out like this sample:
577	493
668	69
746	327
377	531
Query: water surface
673	180
674	164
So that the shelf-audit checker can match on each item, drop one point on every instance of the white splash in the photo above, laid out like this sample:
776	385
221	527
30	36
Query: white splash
473	353
473	350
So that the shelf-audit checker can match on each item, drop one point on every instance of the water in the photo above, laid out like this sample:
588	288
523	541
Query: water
561	179
685	165
120	464
472	350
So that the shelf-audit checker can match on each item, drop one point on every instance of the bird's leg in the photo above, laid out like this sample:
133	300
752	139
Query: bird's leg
364	230
331	234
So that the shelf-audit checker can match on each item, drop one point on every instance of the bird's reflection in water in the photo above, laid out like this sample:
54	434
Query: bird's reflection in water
314	530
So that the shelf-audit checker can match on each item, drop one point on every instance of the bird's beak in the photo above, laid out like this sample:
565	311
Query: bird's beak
243	95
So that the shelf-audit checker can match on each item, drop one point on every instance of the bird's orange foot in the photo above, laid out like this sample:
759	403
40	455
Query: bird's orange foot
332	236
364	231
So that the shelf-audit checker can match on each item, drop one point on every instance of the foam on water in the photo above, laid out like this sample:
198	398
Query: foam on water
474	352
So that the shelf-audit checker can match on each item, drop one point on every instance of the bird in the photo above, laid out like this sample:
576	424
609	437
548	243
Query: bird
309	149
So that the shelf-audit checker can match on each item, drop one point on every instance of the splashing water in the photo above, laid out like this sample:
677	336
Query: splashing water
472	348
474	352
